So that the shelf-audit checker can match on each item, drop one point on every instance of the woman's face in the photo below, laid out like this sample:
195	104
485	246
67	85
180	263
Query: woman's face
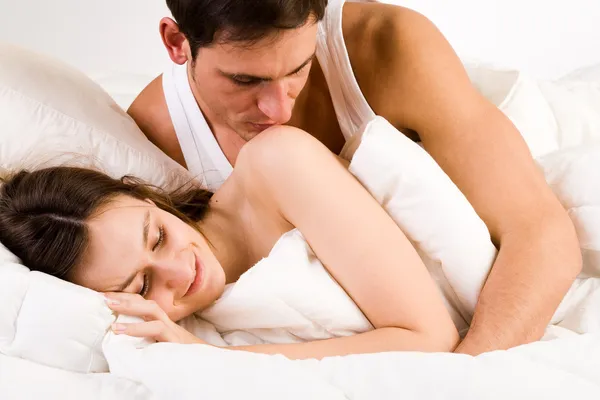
136	247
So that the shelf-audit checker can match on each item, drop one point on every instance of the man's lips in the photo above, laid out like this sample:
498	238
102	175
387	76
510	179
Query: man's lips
261	127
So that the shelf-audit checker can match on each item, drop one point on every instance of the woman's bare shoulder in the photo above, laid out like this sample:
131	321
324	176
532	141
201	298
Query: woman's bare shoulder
279	154
251	190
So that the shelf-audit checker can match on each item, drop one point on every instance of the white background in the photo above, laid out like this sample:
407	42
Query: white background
116	42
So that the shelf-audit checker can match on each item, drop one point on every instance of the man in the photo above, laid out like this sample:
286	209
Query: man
240	67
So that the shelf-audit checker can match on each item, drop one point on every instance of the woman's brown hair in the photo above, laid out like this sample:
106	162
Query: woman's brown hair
44	213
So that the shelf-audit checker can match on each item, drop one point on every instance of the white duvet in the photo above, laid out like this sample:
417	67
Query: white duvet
290	297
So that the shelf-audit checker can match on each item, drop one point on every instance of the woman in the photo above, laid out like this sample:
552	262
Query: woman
165	256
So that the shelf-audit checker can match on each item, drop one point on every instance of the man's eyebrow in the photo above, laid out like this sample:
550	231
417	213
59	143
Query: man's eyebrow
309	59
265	78
145	230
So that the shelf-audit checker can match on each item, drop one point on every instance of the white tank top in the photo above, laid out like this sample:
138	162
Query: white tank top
203	156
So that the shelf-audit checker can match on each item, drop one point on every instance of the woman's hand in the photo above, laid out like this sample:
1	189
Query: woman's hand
157	325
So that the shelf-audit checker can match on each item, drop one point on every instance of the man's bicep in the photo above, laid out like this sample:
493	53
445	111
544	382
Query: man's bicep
489	161
481	151
150	112
469	137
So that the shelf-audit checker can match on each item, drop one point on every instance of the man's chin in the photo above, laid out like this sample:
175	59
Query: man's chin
246	135
248	132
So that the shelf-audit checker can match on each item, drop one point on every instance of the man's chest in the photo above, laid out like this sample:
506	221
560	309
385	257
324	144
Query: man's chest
314	112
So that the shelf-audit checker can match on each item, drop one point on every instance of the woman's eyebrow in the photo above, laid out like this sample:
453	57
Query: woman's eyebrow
146	228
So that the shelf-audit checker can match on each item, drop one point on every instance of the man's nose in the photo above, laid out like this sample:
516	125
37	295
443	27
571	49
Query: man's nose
276	103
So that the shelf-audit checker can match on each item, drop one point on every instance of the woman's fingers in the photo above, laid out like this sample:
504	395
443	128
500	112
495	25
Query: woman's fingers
157	324
153	329
134	305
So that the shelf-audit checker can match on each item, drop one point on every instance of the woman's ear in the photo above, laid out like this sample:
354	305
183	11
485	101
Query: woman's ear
150	202
174	40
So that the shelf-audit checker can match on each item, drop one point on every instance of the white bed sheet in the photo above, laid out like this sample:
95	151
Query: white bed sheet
21	379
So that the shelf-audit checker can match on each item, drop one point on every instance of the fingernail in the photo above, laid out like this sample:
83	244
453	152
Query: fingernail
118	328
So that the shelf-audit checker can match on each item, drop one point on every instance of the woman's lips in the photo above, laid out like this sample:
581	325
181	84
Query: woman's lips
197	279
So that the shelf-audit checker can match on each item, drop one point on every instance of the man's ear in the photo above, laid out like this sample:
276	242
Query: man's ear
174	40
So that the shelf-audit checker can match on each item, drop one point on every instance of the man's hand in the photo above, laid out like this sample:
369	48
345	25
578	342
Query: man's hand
157	324
536	265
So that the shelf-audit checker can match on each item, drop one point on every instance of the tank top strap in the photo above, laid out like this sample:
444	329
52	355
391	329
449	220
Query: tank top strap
202	153
351	107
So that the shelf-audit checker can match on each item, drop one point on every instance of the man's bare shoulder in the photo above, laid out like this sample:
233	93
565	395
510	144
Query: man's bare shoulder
381	41
150	112
372	33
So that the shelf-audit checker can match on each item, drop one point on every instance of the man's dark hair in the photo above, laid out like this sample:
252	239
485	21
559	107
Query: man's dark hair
205	21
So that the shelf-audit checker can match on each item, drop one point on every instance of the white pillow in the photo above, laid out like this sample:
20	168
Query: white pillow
52	114
589	73
50	321
551	115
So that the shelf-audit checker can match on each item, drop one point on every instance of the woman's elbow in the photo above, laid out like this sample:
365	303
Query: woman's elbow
445	341
438	340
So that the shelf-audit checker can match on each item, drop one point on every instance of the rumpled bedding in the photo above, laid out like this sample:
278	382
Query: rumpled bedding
560	369
22	379
289	296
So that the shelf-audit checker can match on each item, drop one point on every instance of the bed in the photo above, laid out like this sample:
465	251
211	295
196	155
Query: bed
39	357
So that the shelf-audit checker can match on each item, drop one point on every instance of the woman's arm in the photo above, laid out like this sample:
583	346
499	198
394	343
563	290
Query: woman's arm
354	238
376	341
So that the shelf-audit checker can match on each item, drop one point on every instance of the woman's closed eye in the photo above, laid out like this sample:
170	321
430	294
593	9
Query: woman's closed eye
160	239
145	286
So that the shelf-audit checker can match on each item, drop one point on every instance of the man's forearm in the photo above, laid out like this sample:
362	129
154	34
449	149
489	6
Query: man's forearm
534	269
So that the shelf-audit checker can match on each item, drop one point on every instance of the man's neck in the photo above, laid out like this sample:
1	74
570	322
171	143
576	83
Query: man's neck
227	139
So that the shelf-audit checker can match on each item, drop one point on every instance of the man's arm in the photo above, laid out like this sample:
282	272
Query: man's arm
421	86
150	112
